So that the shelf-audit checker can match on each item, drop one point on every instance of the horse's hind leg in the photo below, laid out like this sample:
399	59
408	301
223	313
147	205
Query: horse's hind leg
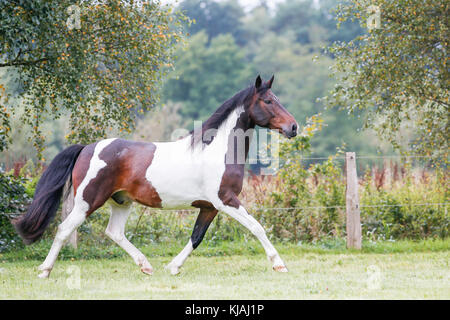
204	219
65	229
116	231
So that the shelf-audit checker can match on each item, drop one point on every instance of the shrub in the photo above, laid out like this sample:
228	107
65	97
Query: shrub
13	202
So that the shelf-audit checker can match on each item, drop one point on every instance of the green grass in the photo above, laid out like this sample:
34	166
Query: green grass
326	270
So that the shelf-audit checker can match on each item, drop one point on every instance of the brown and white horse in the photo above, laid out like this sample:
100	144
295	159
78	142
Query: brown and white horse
201	170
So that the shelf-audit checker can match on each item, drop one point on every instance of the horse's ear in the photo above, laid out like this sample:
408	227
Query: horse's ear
258	82
269	83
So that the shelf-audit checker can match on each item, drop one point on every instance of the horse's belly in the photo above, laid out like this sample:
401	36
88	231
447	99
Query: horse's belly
176	178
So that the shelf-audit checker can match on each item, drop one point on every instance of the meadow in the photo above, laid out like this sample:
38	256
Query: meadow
240	270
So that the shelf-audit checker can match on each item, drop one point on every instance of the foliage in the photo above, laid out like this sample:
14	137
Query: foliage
205	76
160	124
398	71
301	77
306	189
390	211
102	73
306	201
13	202
266	44
214	17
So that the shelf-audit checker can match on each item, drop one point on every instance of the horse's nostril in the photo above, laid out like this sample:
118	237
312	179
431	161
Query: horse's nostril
294	127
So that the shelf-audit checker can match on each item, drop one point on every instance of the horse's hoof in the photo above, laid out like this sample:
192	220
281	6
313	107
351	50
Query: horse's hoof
280	268
44	274
147	270
173	270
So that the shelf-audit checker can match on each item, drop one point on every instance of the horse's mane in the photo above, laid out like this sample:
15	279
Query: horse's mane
241	98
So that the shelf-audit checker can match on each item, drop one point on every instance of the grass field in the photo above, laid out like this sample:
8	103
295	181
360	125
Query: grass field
401	270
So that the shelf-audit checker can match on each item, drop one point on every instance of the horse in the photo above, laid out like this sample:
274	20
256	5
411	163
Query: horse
200	170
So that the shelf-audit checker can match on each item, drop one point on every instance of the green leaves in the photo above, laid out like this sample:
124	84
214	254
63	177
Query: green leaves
102	74
207	75
13	202
399	72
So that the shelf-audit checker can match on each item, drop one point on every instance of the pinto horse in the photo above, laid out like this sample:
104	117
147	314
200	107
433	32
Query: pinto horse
195	171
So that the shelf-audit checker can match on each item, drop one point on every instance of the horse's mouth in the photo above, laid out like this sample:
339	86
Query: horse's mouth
288	135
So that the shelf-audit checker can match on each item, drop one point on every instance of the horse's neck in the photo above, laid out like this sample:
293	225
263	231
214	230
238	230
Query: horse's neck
236	125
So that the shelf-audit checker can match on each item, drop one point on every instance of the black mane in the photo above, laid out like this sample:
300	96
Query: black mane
241	98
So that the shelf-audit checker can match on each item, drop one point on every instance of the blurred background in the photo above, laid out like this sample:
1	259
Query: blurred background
229	43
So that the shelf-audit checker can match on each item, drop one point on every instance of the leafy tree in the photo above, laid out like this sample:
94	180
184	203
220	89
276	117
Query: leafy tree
13	202
398	71
206	76
297	16
214	17
347	30
160	124
101	70
256	24
312	22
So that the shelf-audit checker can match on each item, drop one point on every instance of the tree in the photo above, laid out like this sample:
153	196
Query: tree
99	61
214	17
312	22
398	70
160	124
205	76
297	16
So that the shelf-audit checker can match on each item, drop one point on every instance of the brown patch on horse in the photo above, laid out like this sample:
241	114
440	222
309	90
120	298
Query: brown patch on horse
202	204
207	214
233	177
126	165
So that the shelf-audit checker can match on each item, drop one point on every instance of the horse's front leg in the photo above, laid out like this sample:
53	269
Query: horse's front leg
232	206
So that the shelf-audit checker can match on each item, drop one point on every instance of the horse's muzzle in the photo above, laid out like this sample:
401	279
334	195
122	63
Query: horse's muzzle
290	131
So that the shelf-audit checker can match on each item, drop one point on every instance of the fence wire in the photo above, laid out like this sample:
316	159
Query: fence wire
324	207
263	159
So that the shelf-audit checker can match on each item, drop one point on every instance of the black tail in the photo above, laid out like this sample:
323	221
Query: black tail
47	196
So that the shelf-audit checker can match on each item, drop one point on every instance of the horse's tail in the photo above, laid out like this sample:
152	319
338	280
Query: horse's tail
47	196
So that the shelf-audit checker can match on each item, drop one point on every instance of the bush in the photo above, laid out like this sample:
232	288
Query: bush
13	202
389	211
395	212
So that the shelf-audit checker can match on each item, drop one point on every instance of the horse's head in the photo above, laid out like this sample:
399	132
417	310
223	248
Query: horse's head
267	111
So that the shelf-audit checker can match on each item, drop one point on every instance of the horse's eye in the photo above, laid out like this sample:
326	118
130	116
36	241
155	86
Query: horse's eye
267	101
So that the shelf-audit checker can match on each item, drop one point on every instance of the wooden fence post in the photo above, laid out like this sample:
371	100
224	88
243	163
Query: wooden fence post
352	203
67	207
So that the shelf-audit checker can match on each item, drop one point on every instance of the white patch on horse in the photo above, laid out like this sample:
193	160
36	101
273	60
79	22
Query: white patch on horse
78	213
95	165
182	174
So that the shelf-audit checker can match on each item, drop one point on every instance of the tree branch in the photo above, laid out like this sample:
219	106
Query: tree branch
22	63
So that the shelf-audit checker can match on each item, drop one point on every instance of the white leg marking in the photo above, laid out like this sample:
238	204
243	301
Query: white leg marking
179	260
242	216
78	213
65	229
116	231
